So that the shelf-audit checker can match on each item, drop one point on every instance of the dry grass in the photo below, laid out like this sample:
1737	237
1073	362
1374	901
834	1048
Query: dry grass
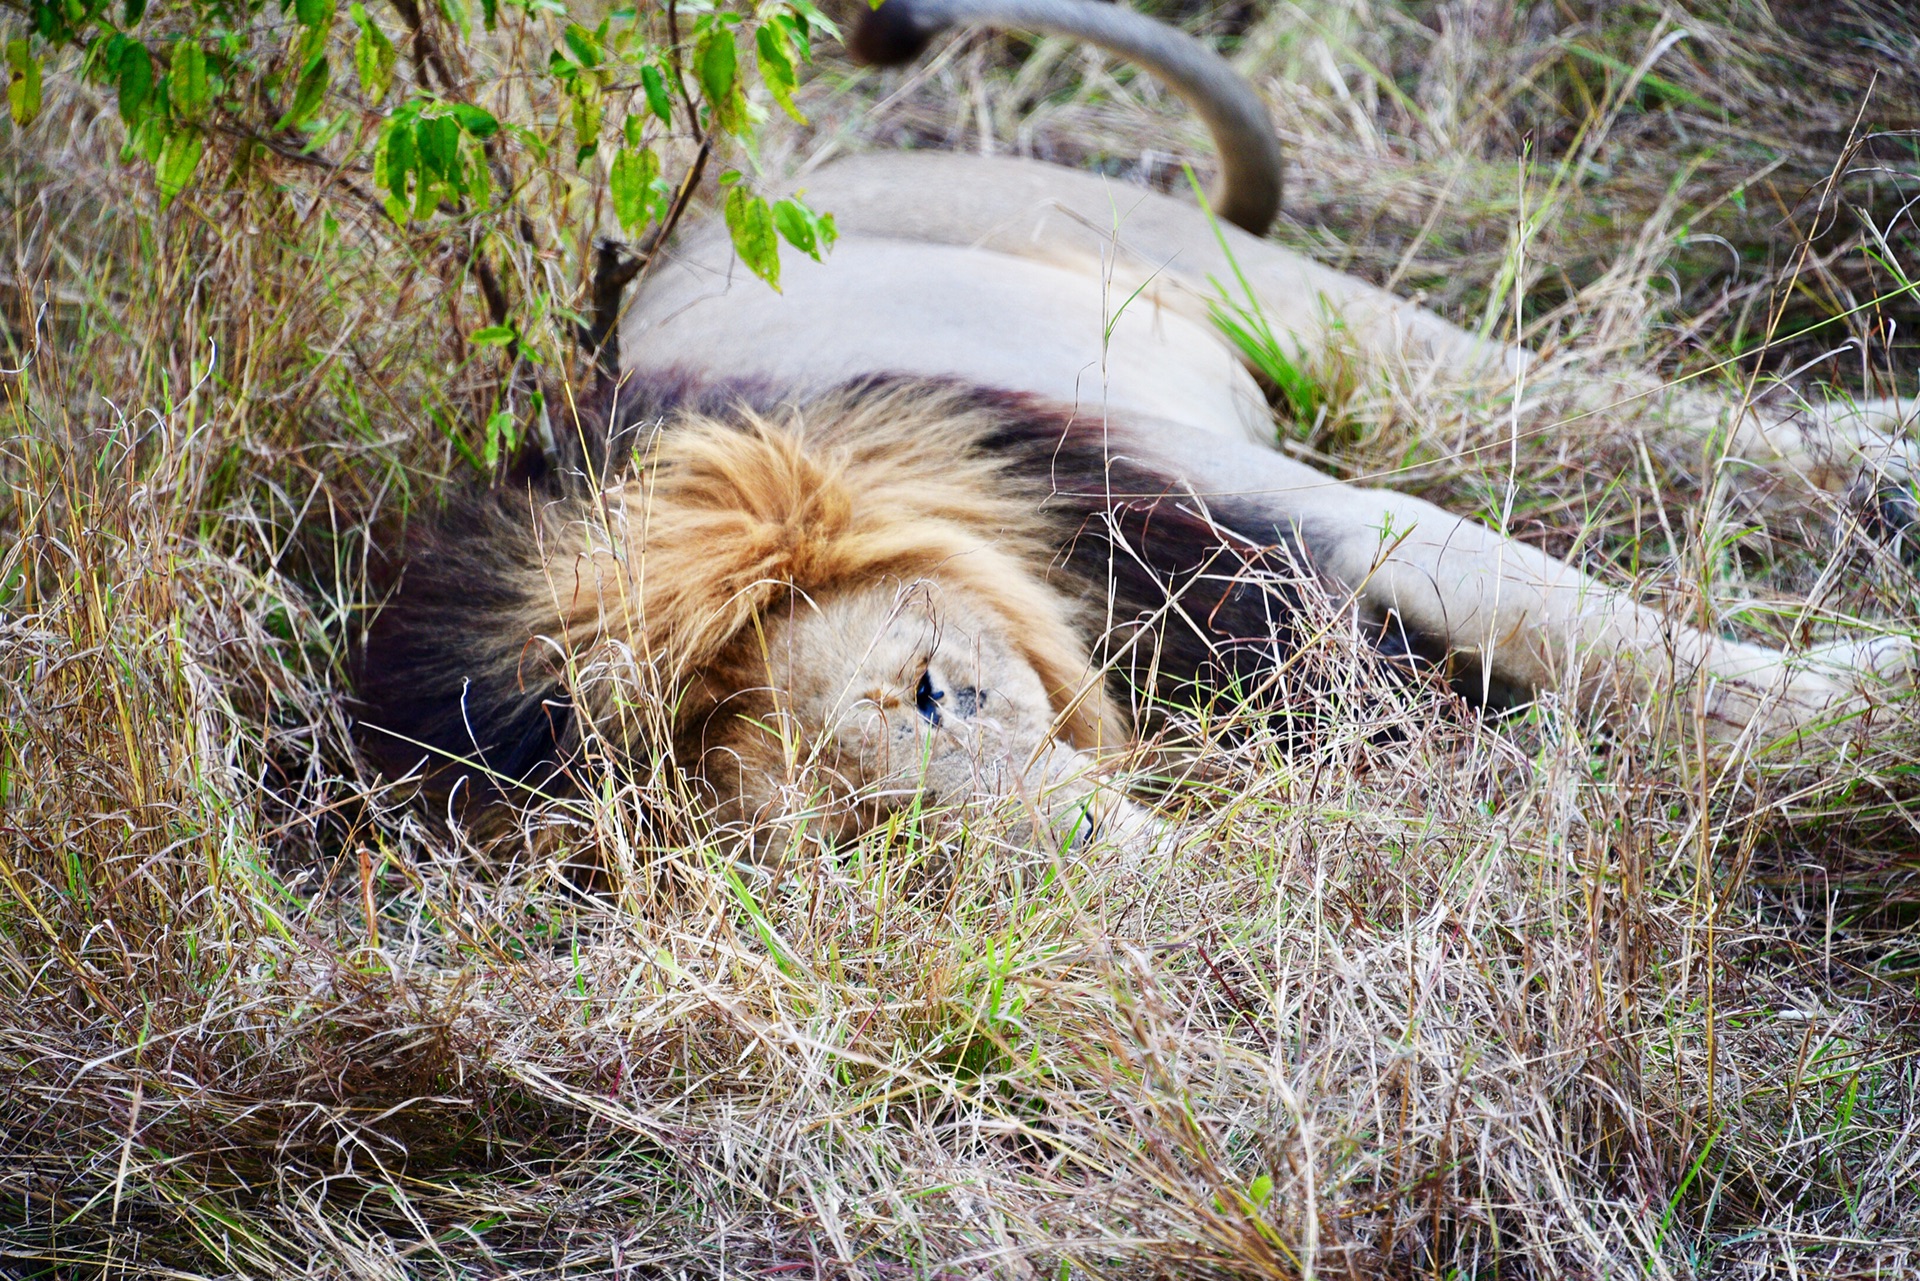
1426	997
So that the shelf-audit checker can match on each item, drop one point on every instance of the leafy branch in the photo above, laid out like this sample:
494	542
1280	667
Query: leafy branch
492	101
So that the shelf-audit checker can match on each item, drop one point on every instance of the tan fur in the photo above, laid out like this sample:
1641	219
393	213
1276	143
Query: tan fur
1033	278
720	524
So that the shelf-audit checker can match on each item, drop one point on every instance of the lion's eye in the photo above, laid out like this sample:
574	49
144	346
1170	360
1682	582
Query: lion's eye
927	699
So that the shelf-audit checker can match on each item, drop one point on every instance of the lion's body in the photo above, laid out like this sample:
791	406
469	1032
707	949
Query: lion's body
1017	275
1098	295
990	447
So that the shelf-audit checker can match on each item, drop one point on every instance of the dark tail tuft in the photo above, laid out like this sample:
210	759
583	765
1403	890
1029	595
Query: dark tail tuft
890	36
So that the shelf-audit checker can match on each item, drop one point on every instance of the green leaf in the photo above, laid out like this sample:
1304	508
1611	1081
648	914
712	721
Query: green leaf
1260	1191
583	44
396	159
493	336
750	223
793	30
133	10
23	82
133	77
717	61
503	435
311	13
809	19
489	12
313	42
438	143
458	14
632	182
796	229
309	93
178	159
373	54
805	230
187	81
587	107
776	69
479	123
426	199
479	182
657	101
148	136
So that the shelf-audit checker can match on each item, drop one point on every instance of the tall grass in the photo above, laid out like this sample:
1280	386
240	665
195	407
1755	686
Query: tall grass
1423	995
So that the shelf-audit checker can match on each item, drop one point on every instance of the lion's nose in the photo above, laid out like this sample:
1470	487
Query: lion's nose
968	700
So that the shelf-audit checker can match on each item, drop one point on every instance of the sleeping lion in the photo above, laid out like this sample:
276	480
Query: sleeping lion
921	528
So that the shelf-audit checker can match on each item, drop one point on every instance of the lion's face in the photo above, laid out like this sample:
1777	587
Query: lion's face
884	697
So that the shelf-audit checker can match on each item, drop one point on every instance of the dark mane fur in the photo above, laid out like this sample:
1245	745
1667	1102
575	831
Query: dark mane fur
1188	596
434	691
439	688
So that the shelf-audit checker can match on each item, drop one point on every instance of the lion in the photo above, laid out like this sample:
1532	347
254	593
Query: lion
905	533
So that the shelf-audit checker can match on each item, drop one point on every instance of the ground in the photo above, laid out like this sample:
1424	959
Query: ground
1427	995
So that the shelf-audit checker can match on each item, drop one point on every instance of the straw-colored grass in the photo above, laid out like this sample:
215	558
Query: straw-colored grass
1422	995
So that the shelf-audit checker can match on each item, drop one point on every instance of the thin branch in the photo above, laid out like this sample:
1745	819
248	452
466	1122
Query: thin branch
614	269
426	50
679	79
604	338
613	274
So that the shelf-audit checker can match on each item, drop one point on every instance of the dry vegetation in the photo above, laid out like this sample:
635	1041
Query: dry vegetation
1427	996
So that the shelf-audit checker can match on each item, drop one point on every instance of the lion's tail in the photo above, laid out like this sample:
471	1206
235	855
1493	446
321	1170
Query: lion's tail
1248	194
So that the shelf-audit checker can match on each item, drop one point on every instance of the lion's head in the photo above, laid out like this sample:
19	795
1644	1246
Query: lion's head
845	613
